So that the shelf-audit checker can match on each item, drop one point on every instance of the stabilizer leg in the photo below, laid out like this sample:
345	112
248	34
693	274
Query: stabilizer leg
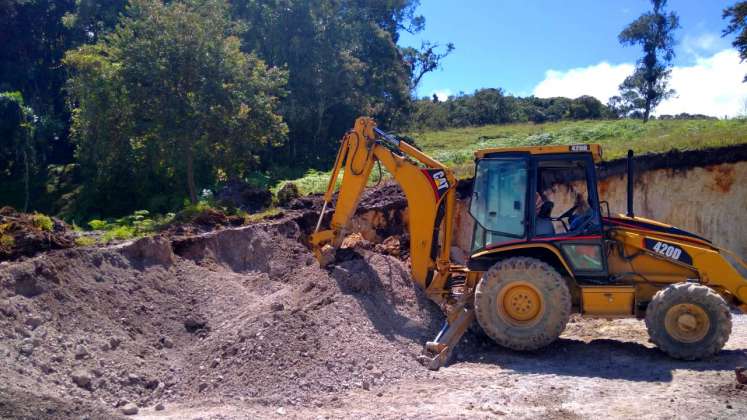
437	352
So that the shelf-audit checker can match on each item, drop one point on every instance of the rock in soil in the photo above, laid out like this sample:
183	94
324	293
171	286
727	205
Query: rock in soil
130	409
81	378
741	373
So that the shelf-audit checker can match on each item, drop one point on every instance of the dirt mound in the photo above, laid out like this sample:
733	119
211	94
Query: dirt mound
25	235
238	313
240	195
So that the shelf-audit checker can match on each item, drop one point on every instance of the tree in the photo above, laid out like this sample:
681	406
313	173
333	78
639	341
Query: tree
586	108
93	18
17	149
343	61
167	99
424	60
737	16
34	35
654	32
33	41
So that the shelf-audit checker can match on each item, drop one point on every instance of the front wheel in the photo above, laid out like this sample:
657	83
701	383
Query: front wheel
522	303
688	321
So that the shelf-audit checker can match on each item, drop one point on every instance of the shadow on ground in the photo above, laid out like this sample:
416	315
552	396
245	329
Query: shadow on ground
599	358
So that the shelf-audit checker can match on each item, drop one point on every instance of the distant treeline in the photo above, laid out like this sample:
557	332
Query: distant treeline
493	106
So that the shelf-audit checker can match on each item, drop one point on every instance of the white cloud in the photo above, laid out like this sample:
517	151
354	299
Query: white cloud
703	44
711	86
442	94
600	80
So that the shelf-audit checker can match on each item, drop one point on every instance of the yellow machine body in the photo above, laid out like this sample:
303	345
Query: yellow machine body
641	256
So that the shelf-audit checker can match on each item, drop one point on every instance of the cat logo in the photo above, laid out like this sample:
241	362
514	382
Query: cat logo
438	181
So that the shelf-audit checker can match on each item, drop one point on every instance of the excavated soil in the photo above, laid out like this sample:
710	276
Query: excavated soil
242	323
241	314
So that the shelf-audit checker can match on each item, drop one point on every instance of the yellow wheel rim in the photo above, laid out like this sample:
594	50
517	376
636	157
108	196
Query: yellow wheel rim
520	304
687	323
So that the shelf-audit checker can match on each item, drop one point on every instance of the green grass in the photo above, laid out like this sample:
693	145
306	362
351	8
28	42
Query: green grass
455	147
137	224
255	217
616	136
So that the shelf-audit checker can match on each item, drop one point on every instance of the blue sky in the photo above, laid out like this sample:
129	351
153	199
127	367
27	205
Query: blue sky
514	44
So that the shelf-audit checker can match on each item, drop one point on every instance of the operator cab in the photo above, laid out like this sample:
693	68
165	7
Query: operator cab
539	197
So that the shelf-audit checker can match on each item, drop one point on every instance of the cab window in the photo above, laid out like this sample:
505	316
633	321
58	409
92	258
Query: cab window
498	202
562	204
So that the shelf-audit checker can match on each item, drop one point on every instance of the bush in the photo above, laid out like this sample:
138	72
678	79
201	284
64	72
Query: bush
85	241
42	222
287	192
7	241
119	232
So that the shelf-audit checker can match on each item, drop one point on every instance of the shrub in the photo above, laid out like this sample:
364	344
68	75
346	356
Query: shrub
42	222
7	241
85	241
287	192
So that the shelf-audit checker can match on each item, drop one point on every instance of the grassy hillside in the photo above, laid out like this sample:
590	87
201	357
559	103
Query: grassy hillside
455	147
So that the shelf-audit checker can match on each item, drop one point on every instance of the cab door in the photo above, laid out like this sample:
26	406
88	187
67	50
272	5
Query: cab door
499	203
567	212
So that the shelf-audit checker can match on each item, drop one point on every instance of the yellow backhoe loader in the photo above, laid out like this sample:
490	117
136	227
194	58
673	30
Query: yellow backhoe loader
542	248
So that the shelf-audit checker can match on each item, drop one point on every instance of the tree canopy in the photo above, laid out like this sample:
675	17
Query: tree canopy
643	90
169	97
18	146
494	106
342	59
737	16
103	114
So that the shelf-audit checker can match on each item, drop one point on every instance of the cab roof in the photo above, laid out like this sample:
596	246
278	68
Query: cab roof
594	149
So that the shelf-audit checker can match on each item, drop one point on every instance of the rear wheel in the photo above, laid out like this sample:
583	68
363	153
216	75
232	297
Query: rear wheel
522	303
688	321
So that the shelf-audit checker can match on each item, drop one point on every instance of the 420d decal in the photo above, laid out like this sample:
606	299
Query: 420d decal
668	250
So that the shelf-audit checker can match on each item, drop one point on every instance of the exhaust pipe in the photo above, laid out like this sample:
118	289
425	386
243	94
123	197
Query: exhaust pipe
630	184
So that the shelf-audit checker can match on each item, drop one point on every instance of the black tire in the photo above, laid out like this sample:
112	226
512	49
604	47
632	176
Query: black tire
506	277
689	345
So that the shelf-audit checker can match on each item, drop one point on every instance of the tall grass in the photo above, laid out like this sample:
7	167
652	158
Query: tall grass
455	147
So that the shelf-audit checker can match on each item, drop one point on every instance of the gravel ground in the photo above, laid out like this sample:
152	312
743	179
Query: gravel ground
598	369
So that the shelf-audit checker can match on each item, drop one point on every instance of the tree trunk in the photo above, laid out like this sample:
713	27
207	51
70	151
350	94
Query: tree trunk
647	111
26	181
191	176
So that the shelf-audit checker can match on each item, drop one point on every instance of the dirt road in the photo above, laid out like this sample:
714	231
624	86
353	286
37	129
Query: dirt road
599	369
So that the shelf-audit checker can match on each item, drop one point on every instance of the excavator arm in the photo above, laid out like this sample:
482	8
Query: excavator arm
430	188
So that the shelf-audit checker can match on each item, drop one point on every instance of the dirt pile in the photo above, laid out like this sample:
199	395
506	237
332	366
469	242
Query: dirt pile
240	195
239	313
25	235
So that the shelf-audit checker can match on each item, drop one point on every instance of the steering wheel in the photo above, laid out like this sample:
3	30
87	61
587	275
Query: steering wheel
582	222
566	215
